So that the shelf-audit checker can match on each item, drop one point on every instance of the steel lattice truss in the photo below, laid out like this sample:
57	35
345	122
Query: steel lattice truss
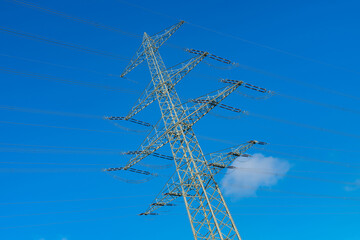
194	177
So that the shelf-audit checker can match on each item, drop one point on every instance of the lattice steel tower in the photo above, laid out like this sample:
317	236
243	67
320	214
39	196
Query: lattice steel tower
193	180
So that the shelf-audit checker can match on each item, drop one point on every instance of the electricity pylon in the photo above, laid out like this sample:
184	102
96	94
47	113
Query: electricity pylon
193	180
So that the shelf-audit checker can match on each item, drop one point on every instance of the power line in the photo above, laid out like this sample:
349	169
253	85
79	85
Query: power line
307	171
59	127
114	208
307	159
251	170
316	148
67	114
317	103
84	21
276	93
119	151
298	213
32	110
311	195
55	151
270	171
259	171
57	79
73	211
272	48
75	221
292	80
62	44
66	147
75	200
68	67
304	100
294	206
51	11
304	125
149	10
93	116
243	39
74	18
127	216
341	133
51	170
53	163
225	117
247	113
285	213
292	194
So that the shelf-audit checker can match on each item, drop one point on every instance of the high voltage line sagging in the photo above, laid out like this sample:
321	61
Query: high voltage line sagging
269	95
87	84
241	39
133	35
47	77
106	131
243	66
245	112
252	171
204	202
177	130
118	151
204	137
32	5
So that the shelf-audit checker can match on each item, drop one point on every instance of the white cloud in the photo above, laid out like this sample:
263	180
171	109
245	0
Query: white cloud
248	176
354	187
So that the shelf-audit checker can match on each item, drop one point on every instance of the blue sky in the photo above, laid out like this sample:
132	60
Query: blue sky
305	51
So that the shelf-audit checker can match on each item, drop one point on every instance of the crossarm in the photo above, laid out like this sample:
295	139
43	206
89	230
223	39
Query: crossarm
170	192
172	189
219	161
158	138
175	74
158	40
206	103
138	58
161	37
